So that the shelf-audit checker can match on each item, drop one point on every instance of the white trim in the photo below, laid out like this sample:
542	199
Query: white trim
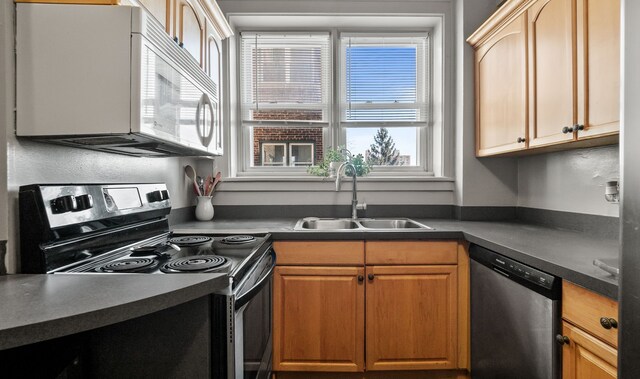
440	46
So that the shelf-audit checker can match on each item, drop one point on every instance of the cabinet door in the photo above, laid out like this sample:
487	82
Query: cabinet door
598	37
411	317
587	357
318	318
160	9
190	28
501	91
551	72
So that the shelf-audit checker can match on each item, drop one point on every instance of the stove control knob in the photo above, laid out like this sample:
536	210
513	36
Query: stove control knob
84	202
156	196
64	204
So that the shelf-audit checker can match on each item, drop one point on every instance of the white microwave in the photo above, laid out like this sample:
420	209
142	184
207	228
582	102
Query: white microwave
109	78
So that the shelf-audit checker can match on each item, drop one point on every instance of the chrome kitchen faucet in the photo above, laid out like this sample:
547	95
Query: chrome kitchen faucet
354	200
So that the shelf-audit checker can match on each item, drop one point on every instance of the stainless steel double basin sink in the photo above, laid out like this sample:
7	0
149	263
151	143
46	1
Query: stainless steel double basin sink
361	224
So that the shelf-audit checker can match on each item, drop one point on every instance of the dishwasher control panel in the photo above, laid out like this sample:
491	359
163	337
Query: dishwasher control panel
511	268
525	272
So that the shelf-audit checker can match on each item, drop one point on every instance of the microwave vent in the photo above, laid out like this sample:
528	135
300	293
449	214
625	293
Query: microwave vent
97	141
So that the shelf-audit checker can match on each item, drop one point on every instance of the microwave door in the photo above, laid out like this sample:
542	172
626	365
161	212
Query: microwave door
173	108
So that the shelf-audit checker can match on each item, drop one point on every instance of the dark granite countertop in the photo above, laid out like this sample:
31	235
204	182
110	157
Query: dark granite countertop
35	308
563	253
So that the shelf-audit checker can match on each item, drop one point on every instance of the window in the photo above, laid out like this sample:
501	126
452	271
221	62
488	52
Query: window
301	154
381	103
384	92
274	154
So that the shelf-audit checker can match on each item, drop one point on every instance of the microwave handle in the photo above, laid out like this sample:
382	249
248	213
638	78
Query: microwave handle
218	128
205	137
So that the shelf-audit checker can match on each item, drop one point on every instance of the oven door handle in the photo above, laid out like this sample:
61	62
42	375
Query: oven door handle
247	296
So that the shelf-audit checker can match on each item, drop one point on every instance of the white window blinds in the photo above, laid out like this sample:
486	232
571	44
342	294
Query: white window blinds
384	79
285	77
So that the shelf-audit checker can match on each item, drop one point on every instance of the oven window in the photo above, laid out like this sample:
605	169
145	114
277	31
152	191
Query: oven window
257	334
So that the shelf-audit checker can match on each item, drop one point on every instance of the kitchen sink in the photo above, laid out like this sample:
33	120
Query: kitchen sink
403	223
326	224
312	223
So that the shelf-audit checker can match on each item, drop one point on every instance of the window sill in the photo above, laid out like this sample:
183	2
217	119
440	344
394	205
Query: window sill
310	178
324	184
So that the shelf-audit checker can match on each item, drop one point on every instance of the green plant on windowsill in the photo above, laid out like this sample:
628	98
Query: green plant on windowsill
340	155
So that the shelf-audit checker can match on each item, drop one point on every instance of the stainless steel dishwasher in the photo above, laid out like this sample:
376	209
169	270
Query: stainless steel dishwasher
515	316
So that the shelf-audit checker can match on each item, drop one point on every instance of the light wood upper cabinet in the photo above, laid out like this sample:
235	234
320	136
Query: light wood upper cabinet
570	78
411	317
585	356
551	72
501	91
190	28
318	315
213	54
598	41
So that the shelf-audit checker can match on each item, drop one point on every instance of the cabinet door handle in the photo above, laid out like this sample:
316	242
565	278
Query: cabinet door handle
567	129
371	276
562	340
608	323
520	139
578	127
360	278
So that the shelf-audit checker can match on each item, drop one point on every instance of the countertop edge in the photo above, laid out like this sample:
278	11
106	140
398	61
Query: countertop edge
282	229
85	321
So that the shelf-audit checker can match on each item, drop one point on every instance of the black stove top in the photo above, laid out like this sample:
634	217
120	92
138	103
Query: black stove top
173	254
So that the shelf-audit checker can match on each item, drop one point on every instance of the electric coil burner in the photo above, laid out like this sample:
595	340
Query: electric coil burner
110	229
237	240
129	265
190	240
197	263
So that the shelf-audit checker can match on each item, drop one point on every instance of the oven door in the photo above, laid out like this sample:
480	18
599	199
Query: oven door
252	331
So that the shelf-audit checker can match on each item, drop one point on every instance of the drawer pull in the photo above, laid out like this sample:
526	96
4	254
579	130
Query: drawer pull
562	340
608	323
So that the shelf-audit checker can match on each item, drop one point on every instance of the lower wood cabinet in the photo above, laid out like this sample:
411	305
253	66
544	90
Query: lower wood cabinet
411	317
318	315
589	334
407	307
585	356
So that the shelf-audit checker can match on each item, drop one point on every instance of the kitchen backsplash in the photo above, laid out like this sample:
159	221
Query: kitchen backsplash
569	181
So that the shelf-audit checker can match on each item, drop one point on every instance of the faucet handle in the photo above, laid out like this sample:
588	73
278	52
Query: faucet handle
362	207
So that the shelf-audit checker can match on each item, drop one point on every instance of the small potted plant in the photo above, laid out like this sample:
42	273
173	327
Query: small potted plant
332	160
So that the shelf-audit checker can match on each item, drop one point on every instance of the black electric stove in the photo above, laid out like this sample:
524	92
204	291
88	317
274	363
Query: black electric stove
115	229
121	228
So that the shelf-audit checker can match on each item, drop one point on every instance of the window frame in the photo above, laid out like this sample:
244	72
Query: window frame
302	143
273	143
333	131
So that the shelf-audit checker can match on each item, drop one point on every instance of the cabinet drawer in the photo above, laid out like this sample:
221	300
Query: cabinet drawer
584	309
411	252
320	253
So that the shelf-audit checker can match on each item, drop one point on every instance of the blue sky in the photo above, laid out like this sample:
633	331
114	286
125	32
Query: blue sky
381	75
